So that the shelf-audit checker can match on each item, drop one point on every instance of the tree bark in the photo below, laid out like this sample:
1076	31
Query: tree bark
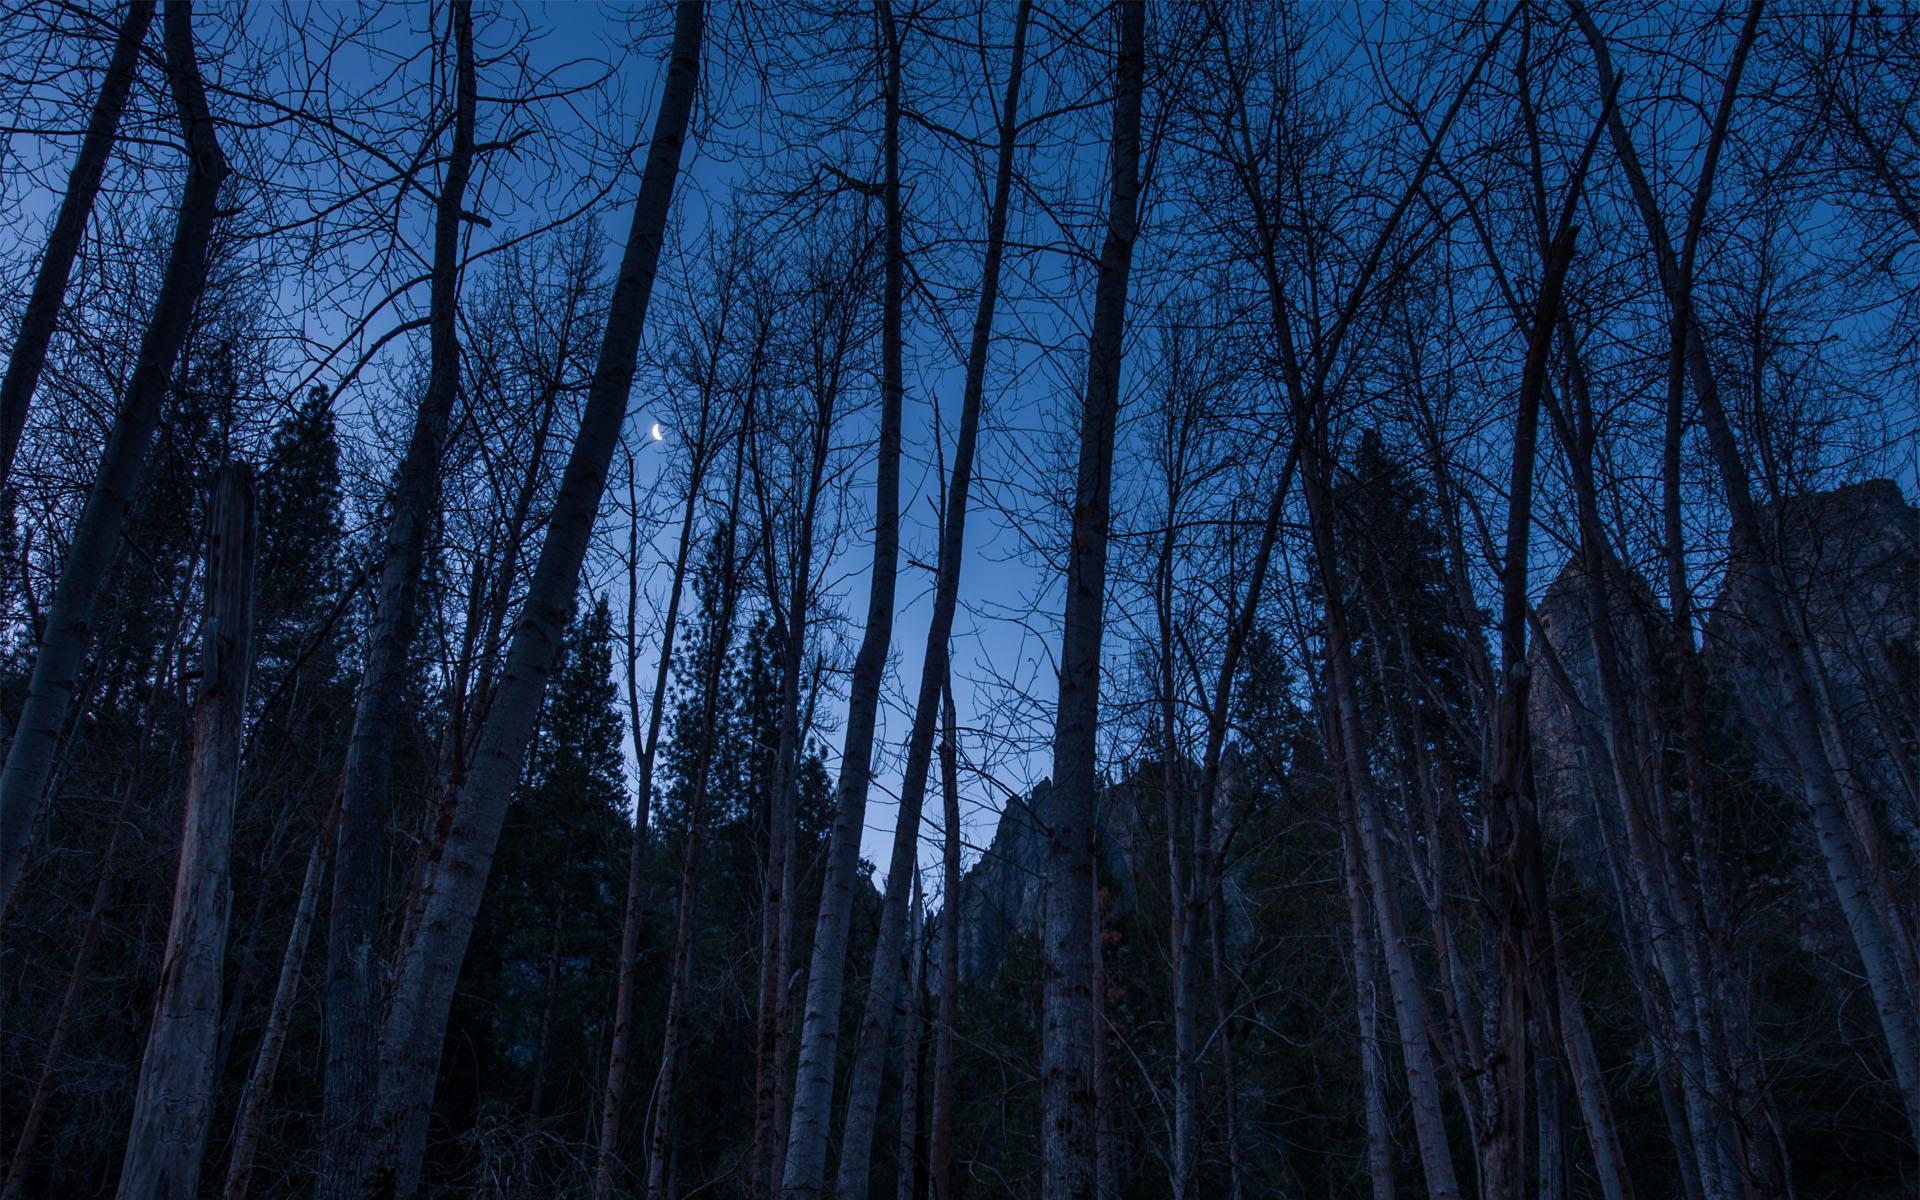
63	240
876	1026
427	974
266	1061
1067	1118
952	908
96	539
174	1103
804	1172
354	982
1366	996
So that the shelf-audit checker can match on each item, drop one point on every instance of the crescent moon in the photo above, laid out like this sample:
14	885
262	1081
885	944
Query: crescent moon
657	435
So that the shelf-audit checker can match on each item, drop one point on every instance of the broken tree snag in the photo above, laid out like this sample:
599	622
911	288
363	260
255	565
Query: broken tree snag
174	1103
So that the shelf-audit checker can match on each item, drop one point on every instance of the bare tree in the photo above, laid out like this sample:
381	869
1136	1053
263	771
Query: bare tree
1067	1133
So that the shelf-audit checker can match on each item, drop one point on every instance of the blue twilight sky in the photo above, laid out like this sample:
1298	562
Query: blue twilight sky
772	92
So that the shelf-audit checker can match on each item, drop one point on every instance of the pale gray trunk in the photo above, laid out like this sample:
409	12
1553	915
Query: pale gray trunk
42	314
354	984
1366	998
1589	1085
876	1025
912	1068
266	1061
1067	1118
803	1175
946	1038
96	539
174	1102
427	974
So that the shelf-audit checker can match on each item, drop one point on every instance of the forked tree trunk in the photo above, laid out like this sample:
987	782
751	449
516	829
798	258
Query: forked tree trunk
876	1025
804	1173
266	1061
174	1103
426	976
1068	1124
42	314
354	981
96	539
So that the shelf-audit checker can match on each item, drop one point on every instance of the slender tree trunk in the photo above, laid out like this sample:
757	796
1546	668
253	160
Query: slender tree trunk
612	1100
914	1057
804	1173
63	240
96	539
1366	992
664	1144
354	982
1589	1085
952	910
174	1103
266	1061
778	899
876	1026
427	974
1067	1119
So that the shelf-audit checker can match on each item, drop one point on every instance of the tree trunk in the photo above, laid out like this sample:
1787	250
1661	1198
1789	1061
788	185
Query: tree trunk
354	982
427	974
1067	1119
606	1159
63	240
914	1056
876	1026
952	908
96	539
266	1061
1366	993
804	1173
174	1103
680	965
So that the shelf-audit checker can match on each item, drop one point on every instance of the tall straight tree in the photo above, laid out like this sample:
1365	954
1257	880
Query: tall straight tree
353	959
96	539
1068	1120
876	1024
174	1104
429	967
804	1174
833	328
69	225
